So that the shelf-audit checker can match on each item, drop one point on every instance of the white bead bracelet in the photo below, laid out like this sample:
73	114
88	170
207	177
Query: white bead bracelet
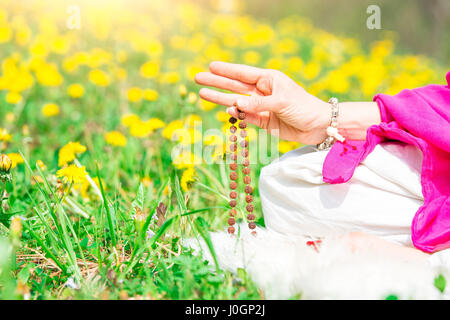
332	130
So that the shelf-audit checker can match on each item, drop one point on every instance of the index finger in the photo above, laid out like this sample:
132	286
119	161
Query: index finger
234	71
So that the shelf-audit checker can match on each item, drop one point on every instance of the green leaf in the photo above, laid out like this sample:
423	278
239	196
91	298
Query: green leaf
5	219
440	283
202	228
139	200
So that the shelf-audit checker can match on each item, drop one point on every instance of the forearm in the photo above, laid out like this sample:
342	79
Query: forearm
356	117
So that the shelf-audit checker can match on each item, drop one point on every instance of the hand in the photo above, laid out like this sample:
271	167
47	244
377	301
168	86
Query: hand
270	99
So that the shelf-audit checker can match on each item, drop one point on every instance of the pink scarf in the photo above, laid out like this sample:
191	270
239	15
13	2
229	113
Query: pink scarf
420	117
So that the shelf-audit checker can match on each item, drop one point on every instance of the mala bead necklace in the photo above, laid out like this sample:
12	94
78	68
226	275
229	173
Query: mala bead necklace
234	176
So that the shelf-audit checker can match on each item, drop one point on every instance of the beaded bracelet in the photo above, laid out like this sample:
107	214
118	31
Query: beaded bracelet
234	176
332	130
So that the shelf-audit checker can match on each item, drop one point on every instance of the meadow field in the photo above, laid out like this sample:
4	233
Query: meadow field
101	127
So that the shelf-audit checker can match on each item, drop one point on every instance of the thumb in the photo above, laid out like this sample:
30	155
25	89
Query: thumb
255	104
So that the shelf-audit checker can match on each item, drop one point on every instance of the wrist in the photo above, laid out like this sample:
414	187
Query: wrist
323	120
356	117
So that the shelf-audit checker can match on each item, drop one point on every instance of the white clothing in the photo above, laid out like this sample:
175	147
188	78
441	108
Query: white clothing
381	198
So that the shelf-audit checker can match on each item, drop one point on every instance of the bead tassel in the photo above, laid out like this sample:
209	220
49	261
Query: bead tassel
246	171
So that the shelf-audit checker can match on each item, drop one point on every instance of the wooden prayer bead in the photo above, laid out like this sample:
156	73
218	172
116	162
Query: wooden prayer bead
231	221
244	143
233	147
233	120
248	189
233	156
241	115
233	138
244	152
251	216
247	180
233	212
246	170
233	175
243	133
233	129
248	199
233	194
242	124
231	230
250	208
252	225
246	163
233	203
233	185
233	166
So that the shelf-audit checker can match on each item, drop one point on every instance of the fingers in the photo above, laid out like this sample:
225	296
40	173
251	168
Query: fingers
249	104
239	72
213	80
256	104
225	99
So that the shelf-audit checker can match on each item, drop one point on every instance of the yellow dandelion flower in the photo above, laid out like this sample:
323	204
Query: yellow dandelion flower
150	69
166	190
311	70
68	152
182	90
115	138
188	136
219	152
16	159
41	165
186	160
72	174
170	129
5	164
146	181
129	119
120	73
192	97
295	64
10	117
99	77
75	90
140	129
170	77
151	95
213	139
193	120
135	94
155	123
50	110
222	116
251	57
13	97
206	105
274	63
192	70
4	135
187	179
5	33
48	75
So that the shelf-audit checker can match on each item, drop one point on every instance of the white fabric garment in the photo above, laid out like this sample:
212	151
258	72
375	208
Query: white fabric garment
380	199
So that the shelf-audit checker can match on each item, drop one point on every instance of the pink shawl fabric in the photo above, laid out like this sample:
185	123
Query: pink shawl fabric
420	117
